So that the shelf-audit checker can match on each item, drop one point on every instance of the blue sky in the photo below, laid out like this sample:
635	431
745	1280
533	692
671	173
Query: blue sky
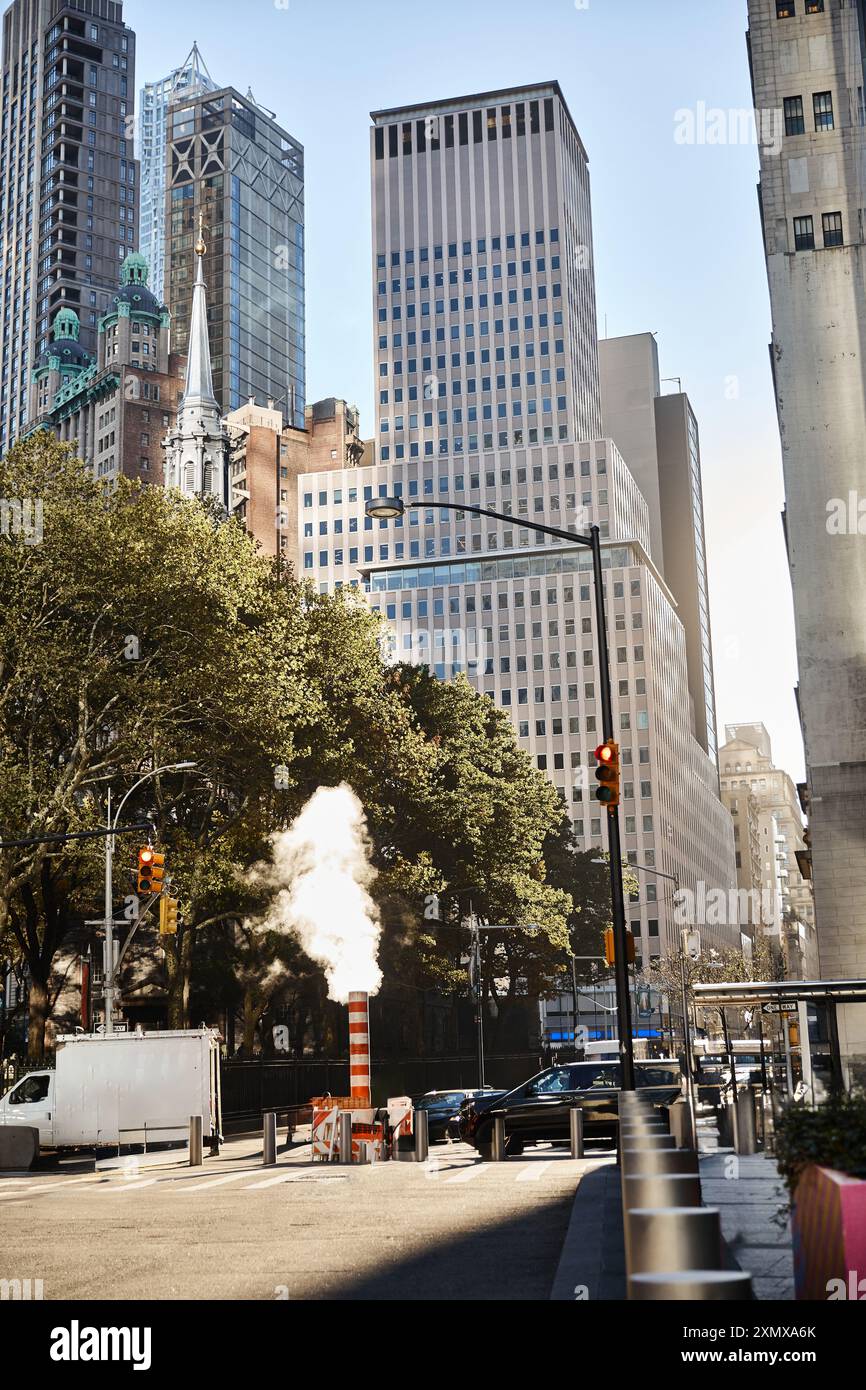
677	234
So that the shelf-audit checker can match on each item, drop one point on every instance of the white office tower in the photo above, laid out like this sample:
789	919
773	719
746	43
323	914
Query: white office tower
189	80
488	393
807	64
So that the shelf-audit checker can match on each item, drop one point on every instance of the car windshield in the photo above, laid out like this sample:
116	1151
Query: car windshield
659	1076
553	1081
591	1076
435	1102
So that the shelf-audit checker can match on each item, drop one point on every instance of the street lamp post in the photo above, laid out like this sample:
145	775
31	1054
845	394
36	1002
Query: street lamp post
389	509
109	989
684	989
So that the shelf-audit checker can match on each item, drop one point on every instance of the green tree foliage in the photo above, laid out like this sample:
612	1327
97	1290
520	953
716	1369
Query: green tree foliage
142	631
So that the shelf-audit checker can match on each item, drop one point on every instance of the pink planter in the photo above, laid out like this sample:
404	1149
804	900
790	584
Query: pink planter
829	1228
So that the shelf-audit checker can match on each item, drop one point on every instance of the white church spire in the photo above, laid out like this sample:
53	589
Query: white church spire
196	451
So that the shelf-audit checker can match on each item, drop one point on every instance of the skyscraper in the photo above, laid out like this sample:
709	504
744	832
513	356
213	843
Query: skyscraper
228	159
807	62
488	393
68	210
659	437
190	79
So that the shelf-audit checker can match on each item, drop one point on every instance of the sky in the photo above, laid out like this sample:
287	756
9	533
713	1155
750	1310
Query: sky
678	248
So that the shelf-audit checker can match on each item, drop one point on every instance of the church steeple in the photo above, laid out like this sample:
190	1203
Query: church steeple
197	449
198	391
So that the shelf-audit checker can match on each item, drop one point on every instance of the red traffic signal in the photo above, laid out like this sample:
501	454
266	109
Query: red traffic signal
608	774
151	870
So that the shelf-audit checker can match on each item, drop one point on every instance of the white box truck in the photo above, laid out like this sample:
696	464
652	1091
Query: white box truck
109	1090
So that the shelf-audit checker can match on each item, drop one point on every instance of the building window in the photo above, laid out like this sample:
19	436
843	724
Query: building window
804	234
832	225
795	120
785	9
814	6
823	103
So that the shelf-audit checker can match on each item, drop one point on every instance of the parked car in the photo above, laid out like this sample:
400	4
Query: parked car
538	1110
443	1109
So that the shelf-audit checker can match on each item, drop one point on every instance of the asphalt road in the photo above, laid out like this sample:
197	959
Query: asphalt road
453	1228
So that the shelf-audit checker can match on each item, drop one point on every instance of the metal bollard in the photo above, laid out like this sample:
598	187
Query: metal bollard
680	1124
658	1161
725	1122
672	1239
747	1127
575	1131
269	1139
631	1136
422	1136
696	1285
344	1136
498	1149
196	1150
661	1190
648	1141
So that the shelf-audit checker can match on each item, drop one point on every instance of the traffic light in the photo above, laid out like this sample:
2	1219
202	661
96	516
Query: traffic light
168	916
608	774
151	869
610	947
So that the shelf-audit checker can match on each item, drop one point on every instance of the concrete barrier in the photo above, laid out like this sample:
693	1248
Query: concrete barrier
19	1147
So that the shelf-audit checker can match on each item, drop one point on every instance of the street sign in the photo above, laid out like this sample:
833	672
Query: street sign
779	1008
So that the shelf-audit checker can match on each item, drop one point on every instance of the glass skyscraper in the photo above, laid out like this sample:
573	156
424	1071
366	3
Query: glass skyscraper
68	200
229	159
191	78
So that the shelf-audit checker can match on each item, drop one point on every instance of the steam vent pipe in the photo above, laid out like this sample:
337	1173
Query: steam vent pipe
359	1049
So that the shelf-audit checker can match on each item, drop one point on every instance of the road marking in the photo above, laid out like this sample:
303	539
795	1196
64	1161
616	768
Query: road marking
533	1172
211	1182
49	1186
269	1182
469	1173
124	1185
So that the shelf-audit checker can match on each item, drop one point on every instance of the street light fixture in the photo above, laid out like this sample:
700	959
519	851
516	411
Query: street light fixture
110	968
390	509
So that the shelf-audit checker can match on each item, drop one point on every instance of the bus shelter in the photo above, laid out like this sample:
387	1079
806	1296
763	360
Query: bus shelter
799	1020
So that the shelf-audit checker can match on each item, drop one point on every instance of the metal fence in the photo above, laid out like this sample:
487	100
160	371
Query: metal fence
248	1088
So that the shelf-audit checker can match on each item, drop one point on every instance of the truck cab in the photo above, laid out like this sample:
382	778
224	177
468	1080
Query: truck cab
30	1102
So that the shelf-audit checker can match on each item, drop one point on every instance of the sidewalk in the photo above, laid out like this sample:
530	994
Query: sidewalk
748	1192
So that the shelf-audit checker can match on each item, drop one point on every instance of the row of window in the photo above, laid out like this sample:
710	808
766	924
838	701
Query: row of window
423	281
822	112
804	231
469	333
449	447
435	132
787	9
511	243
438	306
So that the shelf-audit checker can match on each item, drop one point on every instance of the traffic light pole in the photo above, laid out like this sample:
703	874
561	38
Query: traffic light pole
391	507
108	964
617	895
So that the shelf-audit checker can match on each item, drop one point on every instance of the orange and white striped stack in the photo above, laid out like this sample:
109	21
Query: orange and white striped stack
359	1049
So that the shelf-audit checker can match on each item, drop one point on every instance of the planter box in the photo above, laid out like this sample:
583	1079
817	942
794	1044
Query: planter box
829	1229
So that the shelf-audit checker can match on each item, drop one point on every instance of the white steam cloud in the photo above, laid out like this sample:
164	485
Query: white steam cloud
320	874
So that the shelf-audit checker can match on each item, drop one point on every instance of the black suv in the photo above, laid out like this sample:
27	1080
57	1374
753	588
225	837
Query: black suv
538	1110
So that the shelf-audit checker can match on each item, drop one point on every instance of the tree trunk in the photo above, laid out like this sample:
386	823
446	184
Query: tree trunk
38	1017
251	1018
178	961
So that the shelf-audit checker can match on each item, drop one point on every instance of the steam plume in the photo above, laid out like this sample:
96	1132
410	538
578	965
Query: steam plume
320	874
